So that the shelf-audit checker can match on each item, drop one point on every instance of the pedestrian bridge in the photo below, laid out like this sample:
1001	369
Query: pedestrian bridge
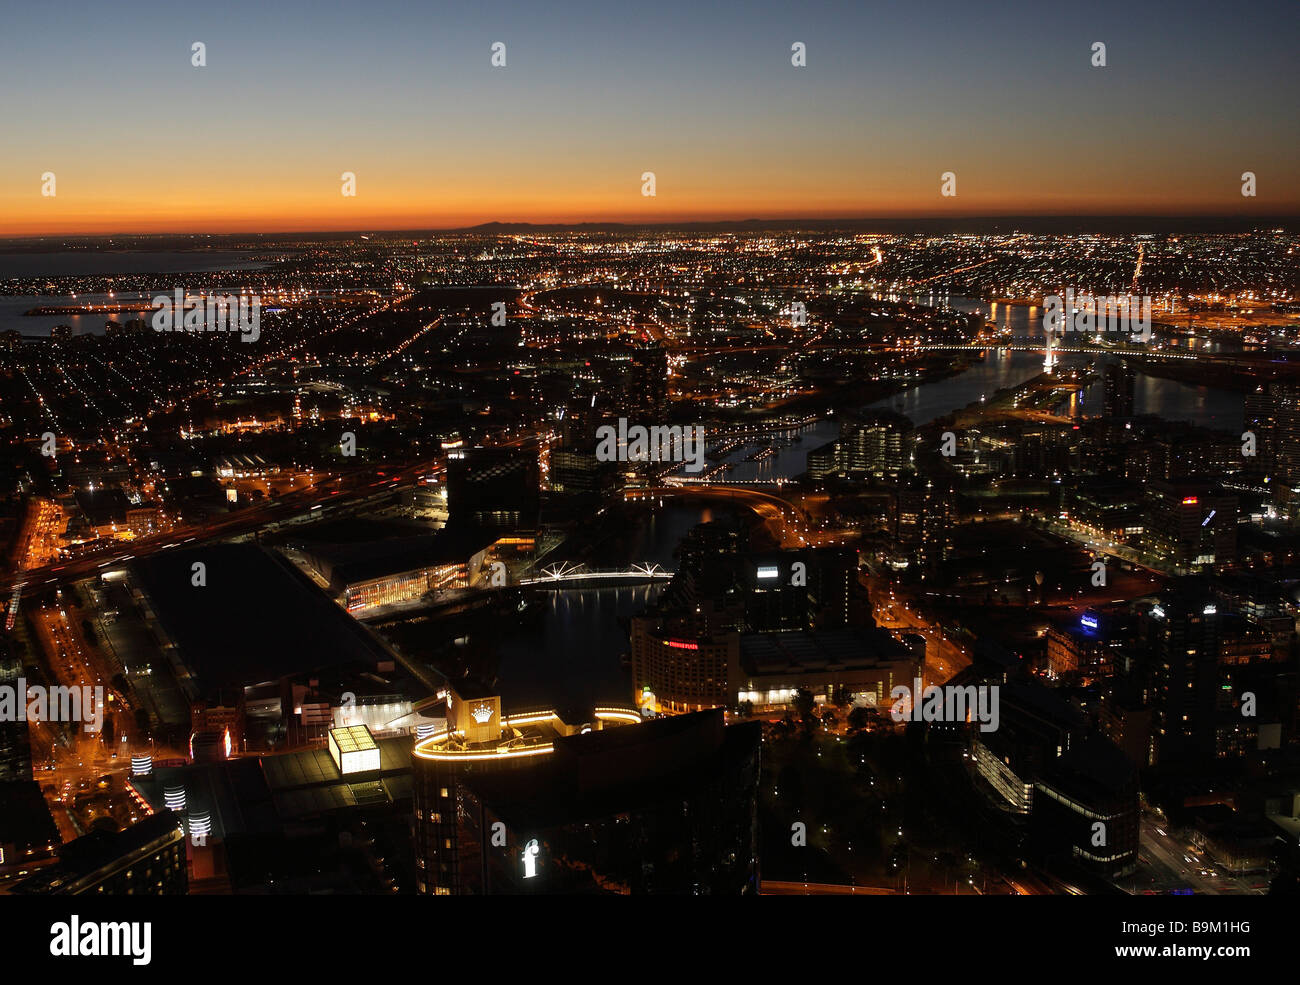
565	573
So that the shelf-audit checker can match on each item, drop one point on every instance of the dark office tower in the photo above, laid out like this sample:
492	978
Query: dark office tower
574	468
1092	784
1042	452
1202	661
1121	389
15	744
667	806
27	830
1286	446
495	488
1260	421
923	508
835	597
649	379
145	859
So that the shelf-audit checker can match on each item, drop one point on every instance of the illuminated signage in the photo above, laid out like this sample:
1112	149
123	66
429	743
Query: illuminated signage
1190	501
482	713
531	851
682	644
767	573
1088	622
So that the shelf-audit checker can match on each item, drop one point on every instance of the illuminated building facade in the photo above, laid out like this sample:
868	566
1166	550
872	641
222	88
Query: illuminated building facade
480	740
667	807
685	674
1085	649
765	670
406	585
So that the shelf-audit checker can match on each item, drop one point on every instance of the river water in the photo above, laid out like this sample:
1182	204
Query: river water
574	656
1174	401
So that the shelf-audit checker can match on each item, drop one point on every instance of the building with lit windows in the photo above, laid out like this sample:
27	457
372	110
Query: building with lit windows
921	518
1204	661
15	741
145	859
494	488
397	569
537	805
1046	766
1190	527
481	739
766	670
1085	649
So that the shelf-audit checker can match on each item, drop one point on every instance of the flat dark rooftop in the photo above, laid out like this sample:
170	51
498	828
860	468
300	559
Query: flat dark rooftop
97	849
348	563
257	619
618	770
24	816
841	649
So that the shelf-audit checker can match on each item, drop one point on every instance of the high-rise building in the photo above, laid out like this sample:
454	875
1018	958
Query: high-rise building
669	806
1286	445
923	512
1203	661
494	487
1190	526
1259	420
1044	762
480	739
648	379
875	443
15	744
1120	389
870	443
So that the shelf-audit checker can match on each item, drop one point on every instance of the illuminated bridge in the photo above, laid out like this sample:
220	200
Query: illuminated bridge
1024	344
565	573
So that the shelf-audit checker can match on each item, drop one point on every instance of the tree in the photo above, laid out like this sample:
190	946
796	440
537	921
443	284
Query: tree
860	717
803	703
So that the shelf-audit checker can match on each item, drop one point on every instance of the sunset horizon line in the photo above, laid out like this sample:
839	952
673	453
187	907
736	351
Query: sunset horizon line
720	222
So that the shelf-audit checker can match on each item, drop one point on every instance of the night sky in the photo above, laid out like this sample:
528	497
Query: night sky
593	94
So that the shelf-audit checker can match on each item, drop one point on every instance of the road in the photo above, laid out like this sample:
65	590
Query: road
354	485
